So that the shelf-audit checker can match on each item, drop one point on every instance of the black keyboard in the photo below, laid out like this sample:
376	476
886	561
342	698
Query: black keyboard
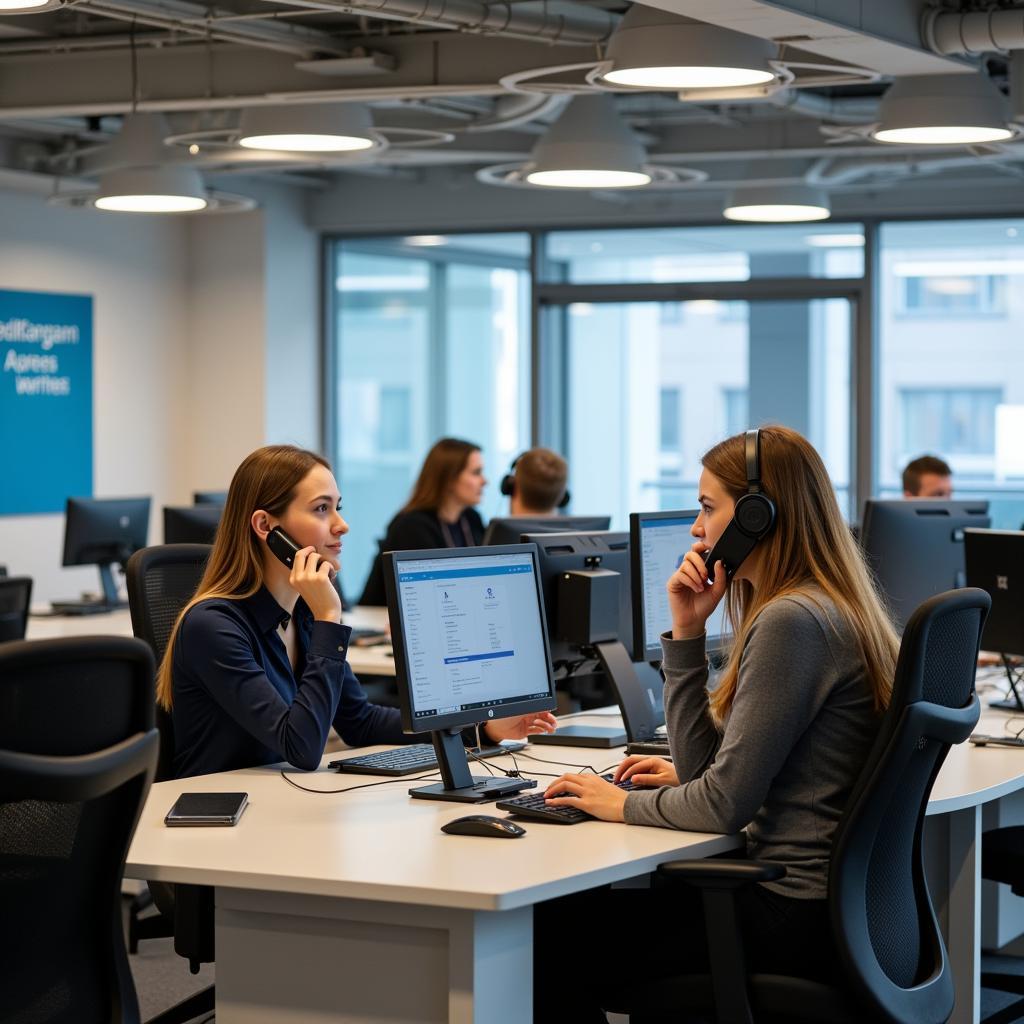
417	757
534	806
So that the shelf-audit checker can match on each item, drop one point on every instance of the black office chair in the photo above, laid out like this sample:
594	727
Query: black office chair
892	956
161	581
1002	860
15	598
78	749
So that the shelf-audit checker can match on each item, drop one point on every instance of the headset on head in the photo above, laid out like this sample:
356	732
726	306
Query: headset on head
755	511
508	483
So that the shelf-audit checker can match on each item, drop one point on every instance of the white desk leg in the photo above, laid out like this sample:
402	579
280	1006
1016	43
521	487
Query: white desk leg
953	857
290	959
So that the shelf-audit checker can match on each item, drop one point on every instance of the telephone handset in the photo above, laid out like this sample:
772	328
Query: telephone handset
285	548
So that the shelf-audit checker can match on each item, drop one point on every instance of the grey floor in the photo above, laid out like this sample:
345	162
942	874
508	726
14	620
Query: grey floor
162	978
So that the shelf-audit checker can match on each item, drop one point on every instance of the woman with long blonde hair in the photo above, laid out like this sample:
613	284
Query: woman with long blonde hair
256	670
776	747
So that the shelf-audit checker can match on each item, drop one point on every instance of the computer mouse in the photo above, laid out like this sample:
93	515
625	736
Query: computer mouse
484	825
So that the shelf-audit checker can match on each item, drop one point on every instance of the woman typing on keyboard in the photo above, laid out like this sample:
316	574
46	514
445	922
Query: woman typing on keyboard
774	749
256	671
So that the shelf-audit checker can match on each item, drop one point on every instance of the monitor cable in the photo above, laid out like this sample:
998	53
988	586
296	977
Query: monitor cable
364	785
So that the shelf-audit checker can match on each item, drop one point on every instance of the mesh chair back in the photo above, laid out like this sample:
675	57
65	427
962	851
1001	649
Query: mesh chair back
881	910
15	597
66	820
161	581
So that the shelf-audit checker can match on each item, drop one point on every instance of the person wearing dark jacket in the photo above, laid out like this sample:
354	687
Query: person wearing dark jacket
256	670
439	512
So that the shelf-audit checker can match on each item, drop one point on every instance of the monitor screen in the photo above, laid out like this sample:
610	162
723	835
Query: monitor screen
210	497
658	542
510	529
916	547
191	524
469	637
995	563
568	552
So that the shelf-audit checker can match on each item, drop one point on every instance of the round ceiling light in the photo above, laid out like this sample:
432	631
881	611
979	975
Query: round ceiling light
166	189
589	146
652	49
309	128
28	6
936	110
776	205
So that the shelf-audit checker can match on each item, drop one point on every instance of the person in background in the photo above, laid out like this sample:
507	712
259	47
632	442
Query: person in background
536	483
440	512
928	476
256	671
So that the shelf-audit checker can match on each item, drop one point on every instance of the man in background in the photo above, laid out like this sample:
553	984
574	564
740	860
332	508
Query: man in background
536	483
928	477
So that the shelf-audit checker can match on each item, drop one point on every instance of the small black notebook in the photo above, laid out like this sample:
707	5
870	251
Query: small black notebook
207	809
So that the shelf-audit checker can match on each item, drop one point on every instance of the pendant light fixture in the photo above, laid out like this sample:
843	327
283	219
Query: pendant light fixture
167	189
308	128
777	204
589	146
943	110
652	49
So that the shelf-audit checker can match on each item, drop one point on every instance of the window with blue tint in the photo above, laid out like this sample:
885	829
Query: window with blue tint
733	253
735	416
669	426
950	377
430	338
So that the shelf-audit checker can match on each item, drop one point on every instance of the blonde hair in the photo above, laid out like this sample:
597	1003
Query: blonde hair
810	545
265	480
441	468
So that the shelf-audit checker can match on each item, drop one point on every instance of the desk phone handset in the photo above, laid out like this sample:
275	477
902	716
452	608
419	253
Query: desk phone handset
285	548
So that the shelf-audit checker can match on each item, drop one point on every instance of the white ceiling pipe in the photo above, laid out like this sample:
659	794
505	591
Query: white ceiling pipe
840	110
949	32
846	171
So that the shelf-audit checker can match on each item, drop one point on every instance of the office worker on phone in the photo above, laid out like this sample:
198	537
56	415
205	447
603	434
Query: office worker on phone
776	747
256	668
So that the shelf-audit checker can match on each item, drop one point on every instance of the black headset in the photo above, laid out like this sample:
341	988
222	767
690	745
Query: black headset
752	518
508	483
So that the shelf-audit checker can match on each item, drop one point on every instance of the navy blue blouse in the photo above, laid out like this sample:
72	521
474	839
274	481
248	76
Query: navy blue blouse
238	703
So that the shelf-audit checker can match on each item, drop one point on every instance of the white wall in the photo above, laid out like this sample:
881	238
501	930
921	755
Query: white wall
206	345
134	267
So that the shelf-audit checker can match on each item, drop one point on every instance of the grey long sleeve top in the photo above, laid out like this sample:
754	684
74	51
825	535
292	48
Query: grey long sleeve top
793	744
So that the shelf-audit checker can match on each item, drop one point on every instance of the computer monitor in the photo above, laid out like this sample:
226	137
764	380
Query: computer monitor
470	645
510	529
657	543
995	563
102	532
191	524
210	497
574	605
916	547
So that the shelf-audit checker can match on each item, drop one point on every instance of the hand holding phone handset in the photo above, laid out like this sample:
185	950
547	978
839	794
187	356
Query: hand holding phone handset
311	575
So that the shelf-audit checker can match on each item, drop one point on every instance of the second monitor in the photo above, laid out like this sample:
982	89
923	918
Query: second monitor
509	529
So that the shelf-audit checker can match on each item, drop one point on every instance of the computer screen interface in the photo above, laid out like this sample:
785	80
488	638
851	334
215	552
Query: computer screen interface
470	642
658	543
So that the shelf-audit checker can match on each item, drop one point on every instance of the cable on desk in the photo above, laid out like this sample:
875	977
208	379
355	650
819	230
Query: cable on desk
566	764
364	785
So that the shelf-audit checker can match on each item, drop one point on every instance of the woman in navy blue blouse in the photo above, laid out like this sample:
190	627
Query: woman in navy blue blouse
256	670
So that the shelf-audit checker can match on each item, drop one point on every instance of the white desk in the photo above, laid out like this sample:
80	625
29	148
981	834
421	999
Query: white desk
365	661
349	908
321	896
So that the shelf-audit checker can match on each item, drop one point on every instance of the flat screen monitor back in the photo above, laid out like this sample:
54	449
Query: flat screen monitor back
509	529
210	497
916	547
564	552
191	524
995	563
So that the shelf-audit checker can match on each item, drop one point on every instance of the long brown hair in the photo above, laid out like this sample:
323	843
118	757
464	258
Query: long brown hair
809	545
266	480
441	468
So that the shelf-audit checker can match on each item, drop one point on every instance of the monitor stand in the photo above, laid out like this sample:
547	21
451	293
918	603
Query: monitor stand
638	691
108	603
458	785
1009	705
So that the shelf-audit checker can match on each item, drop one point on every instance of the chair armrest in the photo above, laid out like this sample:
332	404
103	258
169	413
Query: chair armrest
721	874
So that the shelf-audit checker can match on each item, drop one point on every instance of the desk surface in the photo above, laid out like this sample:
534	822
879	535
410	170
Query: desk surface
366	661
380	844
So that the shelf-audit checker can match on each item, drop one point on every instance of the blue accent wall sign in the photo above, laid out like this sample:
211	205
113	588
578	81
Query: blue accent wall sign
45	400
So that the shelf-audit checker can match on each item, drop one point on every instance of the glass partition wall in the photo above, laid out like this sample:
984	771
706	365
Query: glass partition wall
631	351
